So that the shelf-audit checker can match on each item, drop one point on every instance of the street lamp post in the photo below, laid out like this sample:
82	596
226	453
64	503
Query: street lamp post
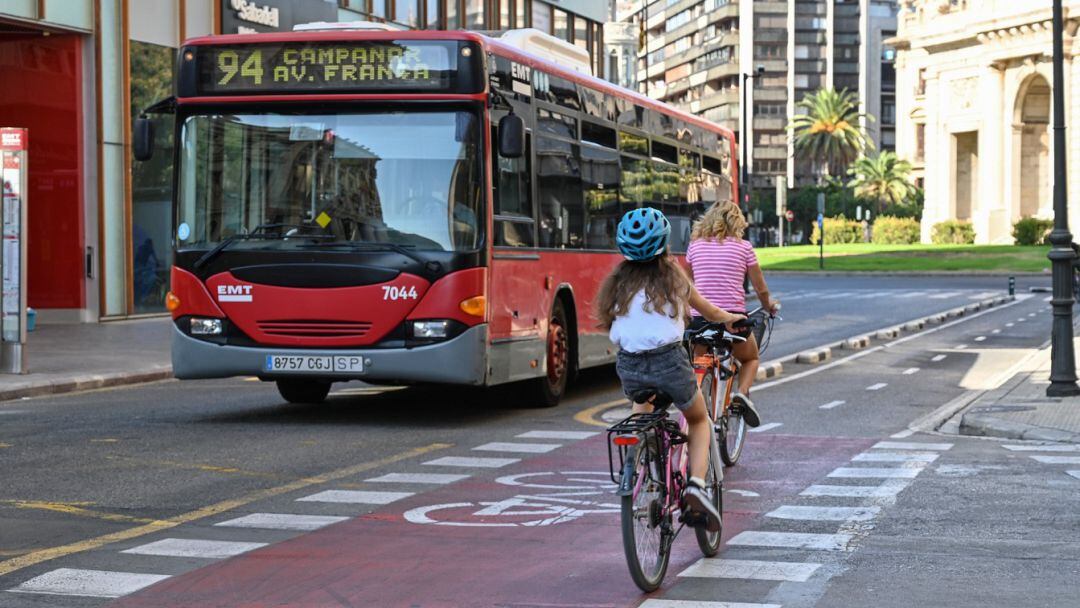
748	98
1062	358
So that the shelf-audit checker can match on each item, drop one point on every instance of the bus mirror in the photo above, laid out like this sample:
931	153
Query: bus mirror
144	139
511	136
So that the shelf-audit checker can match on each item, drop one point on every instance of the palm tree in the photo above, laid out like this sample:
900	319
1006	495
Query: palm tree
883	178
828	131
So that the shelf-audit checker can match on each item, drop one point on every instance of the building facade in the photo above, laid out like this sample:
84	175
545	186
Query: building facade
76	73
700	53
973	100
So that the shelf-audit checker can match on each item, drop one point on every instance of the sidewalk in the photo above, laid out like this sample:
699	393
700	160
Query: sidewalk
65	358
1020	409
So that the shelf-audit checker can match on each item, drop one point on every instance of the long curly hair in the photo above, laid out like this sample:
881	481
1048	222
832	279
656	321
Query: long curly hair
722	220
666	286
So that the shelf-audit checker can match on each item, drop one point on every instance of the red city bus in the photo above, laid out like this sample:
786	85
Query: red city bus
343	211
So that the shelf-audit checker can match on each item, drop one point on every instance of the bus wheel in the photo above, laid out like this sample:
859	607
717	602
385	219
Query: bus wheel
551	387
303	391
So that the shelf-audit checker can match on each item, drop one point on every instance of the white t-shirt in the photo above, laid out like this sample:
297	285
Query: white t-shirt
640	330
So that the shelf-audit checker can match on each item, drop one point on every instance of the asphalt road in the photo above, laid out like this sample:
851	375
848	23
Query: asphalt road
377	498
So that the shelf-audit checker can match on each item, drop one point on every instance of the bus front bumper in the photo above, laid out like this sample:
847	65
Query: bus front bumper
460	360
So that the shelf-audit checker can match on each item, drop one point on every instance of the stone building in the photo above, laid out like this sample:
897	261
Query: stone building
974	111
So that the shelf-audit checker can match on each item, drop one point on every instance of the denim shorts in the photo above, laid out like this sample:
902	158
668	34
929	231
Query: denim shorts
666	369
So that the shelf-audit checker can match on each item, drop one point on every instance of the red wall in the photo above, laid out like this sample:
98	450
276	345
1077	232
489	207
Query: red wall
40	89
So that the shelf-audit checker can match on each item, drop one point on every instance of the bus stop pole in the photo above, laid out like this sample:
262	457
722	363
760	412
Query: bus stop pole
13	213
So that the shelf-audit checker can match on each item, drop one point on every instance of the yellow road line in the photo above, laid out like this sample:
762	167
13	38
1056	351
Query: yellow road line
587	415
197	466
71	509
5	445
44	555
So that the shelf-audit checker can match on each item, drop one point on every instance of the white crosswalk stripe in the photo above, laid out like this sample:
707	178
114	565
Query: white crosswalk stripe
1042	448
824	513
654	603
282	521
188	547
356	497
798	572
521	448
874	473
891	487
896	457
472	461
791	540
1057	459
88	583
557	435
767	427
830	405
912	445
432	478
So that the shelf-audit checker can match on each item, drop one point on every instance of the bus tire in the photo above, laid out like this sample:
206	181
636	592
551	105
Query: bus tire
550	387
303	391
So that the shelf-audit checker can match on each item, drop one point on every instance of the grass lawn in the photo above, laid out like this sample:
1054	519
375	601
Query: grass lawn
908	258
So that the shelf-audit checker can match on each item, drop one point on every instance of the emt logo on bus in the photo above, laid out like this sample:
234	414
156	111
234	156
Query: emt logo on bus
234	293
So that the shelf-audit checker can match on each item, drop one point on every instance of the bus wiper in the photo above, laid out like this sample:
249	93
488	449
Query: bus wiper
405	250
262	231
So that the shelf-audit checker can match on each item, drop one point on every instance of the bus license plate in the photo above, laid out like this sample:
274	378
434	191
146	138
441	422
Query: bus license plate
304	363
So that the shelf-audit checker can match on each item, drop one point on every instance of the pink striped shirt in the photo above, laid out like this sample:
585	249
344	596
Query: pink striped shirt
719	268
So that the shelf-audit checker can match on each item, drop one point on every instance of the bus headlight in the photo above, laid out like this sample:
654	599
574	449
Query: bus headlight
206	327
430	330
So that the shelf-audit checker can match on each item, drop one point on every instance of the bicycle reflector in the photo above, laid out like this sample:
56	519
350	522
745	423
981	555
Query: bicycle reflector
625	440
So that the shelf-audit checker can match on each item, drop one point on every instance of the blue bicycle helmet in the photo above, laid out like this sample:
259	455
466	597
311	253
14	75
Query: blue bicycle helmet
642	234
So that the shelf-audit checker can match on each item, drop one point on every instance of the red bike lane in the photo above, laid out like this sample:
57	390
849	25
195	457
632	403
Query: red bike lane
554	545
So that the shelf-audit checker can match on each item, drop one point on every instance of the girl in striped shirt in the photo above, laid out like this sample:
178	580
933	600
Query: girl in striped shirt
719	261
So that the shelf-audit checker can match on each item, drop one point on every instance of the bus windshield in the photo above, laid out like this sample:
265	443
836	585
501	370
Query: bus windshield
409	179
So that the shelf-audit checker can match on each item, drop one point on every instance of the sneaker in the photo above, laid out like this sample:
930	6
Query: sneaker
742	404
698	501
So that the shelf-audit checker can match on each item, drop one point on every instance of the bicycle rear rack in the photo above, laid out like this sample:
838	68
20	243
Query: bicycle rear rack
639	425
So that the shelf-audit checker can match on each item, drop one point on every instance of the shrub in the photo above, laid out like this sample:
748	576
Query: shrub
895	231
839	230
1032	231
953	232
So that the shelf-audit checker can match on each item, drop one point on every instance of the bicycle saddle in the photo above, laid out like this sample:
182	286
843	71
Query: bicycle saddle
660	400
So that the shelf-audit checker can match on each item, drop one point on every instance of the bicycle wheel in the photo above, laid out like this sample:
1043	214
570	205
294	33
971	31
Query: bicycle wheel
644	531
709	542
732	435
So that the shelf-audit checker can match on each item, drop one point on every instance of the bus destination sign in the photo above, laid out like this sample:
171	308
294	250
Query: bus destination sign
358	66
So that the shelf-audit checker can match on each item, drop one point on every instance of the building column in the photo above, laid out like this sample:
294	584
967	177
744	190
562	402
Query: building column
992	220
940	163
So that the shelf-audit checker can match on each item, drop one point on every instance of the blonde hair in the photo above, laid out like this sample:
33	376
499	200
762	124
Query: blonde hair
722	220
666	286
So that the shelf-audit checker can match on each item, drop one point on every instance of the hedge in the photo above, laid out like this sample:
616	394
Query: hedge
839	230
890	230
953	232
1032	231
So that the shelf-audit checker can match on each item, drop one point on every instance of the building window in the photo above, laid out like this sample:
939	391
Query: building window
802	81
433	15
581	32
768	51
562	25
920	87
506	15
407	12
474	14
541	16
888	112
920	142
378	8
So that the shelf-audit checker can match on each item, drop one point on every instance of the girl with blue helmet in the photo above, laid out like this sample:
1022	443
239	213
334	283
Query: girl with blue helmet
644	304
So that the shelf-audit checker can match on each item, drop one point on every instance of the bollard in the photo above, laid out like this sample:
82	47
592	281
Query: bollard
1012	286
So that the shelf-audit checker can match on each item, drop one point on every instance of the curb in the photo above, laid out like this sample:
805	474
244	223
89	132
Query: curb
85	383
858	342
814	356
888	333
771	369
984	425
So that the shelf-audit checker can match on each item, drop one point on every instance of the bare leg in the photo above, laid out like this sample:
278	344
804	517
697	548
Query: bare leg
641	408
697	417
747	354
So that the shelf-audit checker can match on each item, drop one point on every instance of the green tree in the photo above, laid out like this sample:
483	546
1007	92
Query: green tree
827	132
884	179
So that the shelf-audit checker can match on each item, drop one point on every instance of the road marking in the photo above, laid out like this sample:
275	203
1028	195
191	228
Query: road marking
793	540
960	346
471	461
1057	459
911	370
937	358
896	457
1021	320
912	294
995	331
523	448
699	604
357	497
824	513
901	445
1075	474
890	487
981	339
186	547
877	387
874	473
797	572
869	351
902	434
1032	314
947	294
73	509
36	557
1042	448
88	583
766	427
557	435
435	478
1010	324
282	521
748	493
831	404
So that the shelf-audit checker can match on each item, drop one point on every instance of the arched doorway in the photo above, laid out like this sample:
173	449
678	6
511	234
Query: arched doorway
1033	120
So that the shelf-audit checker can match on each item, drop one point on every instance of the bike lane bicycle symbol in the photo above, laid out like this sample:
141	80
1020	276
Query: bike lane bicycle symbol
554	498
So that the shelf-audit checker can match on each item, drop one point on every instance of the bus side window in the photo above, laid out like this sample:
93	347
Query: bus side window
513	201
562	212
